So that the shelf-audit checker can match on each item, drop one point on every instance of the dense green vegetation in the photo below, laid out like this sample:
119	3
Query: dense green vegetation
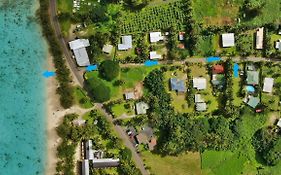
63	74
153	18
103	138
81	98
109	70
98	89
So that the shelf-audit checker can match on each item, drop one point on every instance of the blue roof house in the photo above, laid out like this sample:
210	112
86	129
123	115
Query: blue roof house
177	85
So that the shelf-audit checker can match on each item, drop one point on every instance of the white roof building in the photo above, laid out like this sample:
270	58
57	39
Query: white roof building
107	48
89	150
105	163
79	49
268	85
278	45
85	167
141	108
155	37
259	38
126	43
228	40
129	95
200	83
153	55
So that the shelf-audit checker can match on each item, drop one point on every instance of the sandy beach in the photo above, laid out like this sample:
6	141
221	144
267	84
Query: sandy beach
54	116
53	120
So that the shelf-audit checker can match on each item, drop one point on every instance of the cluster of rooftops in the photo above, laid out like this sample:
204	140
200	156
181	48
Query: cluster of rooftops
96	159
79	46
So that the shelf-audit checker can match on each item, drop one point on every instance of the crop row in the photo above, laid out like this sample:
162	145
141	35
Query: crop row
153	18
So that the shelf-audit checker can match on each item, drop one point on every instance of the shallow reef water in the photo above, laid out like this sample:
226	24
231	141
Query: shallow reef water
22	95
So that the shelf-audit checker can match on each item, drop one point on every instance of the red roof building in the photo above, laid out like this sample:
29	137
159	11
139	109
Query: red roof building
218	69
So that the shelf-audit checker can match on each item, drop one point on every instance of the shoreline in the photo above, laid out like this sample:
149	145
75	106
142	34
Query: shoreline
52	120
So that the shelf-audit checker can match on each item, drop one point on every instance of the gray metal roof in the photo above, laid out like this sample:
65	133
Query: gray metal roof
177	85
253	101
79	49
200	83
85	167
228	40
268	85
201	106
126	43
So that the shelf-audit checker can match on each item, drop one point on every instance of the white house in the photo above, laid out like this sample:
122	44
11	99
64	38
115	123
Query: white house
200	83
155	37
79	49
278	45
268	85
228	40
126	43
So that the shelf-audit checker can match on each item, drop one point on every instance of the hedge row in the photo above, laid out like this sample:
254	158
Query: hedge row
63	74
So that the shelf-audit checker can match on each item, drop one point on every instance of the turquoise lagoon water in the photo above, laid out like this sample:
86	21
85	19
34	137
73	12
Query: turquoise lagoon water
22	94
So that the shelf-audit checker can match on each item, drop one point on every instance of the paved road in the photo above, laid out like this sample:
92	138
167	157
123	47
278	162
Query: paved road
123	135
70	61
76	72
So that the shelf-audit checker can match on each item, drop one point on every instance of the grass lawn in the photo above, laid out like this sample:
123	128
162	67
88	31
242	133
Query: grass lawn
216	12
201	71
120	109
65	6
203	47
238	101
184	164
178	100
222	162
131	77
271	100
81	99
270	13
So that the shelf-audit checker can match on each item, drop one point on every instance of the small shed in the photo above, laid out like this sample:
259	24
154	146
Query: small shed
268	85
228	40
201	107
181	36
129	95
107	48
200	83
153	55
278	45
141	108
198	98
